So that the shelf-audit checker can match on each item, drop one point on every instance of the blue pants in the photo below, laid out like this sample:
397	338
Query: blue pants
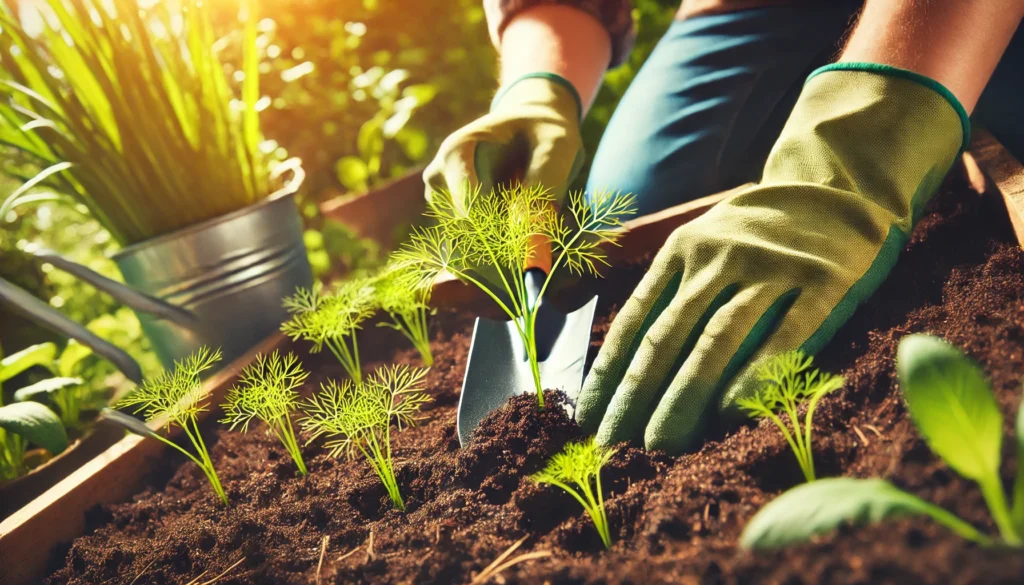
709	103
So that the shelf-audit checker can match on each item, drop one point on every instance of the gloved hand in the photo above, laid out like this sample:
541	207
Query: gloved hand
781	265
532	133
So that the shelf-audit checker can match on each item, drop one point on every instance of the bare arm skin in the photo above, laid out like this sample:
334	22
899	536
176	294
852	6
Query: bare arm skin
955	43
557	39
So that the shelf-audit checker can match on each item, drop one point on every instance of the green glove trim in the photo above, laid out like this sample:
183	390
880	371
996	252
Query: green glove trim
552	77
965	120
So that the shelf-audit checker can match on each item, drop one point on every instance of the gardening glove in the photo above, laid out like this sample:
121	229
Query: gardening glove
778	266
532	133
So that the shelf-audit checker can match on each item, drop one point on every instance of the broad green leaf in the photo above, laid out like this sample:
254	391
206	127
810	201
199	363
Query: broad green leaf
822	506
952	405
36	423
423	93
41	390
352	173
41	354
73	353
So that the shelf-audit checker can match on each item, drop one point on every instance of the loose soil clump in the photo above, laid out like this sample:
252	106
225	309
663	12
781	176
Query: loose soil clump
673	519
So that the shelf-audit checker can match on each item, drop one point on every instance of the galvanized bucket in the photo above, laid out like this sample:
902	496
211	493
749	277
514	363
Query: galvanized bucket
218	283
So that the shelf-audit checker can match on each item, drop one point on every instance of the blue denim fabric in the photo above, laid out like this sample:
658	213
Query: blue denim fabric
709	103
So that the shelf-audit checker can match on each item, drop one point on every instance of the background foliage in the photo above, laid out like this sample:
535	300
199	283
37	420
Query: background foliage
361	90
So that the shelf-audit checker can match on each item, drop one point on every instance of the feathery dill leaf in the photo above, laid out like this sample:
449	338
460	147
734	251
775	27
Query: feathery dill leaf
399	293
267	390
357	418
495	233
580	464
177	397
789	380
332	319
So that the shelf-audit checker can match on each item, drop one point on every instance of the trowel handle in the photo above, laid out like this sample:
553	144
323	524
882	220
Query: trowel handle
540	254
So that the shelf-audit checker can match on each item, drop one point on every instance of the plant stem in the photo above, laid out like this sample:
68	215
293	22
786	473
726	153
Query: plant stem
286	433
992	490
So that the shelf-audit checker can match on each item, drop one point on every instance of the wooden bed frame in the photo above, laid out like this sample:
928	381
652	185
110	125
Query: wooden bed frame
29	535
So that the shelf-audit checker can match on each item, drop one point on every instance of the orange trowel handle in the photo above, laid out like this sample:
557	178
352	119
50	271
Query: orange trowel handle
540	254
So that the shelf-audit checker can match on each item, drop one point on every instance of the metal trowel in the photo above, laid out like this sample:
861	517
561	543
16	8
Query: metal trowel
498	368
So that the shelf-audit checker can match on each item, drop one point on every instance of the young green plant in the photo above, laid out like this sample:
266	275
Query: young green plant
398	294
357	418
175	398
953	407
332	319
267	390
25	423
789	380
579	465
496	234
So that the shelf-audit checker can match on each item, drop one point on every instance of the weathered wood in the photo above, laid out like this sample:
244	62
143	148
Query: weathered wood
1005	172
378	214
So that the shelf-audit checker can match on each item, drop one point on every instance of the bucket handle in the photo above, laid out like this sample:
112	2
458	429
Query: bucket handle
294	165
39	312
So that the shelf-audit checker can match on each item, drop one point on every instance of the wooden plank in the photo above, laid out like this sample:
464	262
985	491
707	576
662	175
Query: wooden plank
28	536
1005	173
376	215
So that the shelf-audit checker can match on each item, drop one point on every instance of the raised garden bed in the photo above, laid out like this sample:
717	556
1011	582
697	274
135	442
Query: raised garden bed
673	520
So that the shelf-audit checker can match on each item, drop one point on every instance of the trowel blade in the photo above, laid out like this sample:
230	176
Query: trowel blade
498	369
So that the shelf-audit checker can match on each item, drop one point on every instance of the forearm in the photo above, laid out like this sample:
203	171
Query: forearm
955	43
557	39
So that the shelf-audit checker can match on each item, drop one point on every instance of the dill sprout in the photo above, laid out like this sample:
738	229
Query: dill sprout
268	391
498	233
399	293
580	464
357	418
789	380
176	397
332	319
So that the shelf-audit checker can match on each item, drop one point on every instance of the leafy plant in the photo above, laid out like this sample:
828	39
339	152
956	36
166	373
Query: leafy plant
580	464
125	108
399	295
953	407
357	418
69	393
175	398
24	423
268	390
788	382
41	354
499	233
332	319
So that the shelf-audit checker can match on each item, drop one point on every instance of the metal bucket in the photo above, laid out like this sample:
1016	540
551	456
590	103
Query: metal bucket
230	273
218	283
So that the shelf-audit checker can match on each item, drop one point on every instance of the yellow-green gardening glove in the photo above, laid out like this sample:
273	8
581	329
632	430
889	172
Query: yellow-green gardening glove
781	265
532	134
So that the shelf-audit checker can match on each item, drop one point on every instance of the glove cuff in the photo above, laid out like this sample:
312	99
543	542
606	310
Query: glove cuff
558	83
889	70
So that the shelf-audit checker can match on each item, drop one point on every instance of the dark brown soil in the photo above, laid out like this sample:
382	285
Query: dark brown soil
673	520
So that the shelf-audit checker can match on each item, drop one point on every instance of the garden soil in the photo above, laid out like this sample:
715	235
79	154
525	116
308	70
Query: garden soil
673	519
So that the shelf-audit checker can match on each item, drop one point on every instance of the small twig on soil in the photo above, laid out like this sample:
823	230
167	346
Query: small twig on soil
323	551
348	554
874	429
437	534
707	513
370	555
151	563
860	434
494	569
218	577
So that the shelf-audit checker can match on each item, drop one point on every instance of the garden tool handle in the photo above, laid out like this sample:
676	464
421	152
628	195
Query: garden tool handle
123	294
39	312
540	254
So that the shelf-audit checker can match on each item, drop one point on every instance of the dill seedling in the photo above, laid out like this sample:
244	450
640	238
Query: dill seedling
580	464
499	233
176	396
268	390
408	305
357	418
789	381
332	319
